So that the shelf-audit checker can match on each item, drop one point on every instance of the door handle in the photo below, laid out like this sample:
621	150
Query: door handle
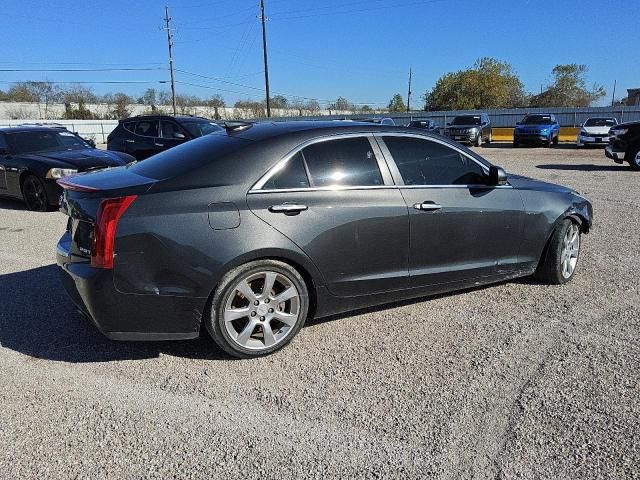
159	144
288	208
130	141
427	206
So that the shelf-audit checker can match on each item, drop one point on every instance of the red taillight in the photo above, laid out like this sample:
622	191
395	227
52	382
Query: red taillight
68	184
104	233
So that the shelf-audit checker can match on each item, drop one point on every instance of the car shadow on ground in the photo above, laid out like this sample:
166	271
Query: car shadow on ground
583	167
38	319
12	205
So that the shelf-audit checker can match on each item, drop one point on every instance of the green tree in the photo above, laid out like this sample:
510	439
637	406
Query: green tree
569	89
397	104
279	101
341	103
366	109
490	83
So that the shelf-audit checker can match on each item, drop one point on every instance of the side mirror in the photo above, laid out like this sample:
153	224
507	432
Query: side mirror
178	136
497	176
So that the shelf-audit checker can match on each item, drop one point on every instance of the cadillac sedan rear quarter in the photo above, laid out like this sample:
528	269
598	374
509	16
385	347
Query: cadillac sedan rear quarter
255	229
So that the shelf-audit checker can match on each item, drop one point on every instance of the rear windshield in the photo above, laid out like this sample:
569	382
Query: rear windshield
188	156
600	122
466	120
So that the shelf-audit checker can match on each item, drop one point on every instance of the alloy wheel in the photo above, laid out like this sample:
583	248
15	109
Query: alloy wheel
34	195
637	159
261	310
570	250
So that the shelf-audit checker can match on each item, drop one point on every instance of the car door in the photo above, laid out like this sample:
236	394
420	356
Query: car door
171	134
145	139
335	199
460	228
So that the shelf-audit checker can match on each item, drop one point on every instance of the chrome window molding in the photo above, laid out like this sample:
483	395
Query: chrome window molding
382	166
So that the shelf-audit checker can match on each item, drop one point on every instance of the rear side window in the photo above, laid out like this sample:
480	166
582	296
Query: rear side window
147	128
425	162
343	162
130	126
293	175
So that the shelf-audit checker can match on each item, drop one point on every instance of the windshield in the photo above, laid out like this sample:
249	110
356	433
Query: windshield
44	141
537	120
466	120
600	122
200	128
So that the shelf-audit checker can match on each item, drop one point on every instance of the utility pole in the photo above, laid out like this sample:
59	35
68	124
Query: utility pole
266	63
613	97
409	93
167	20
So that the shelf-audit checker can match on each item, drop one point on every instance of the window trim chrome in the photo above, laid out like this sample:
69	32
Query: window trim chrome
385	174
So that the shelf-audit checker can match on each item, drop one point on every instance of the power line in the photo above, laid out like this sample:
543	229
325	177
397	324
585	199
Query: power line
71	82
49	70
286	16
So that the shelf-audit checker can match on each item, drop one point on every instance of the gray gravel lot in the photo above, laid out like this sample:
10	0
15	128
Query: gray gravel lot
518	380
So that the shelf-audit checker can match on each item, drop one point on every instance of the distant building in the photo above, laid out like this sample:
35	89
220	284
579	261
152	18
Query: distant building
633	96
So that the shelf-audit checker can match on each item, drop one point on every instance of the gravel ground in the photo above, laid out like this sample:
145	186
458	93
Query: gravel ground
518	380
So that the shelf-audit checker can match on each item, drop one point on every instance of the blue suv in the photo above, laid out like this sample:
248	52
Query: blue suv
538	129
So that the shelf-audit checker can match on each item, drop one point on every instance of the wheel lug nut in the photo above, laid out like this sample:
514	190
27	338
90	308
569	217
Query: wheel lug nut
262	319
267	301
256	302
253	314
271	310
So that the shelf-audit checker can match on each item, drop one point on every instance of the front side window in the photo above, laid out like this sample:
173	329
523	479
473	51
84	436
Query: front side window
343	162
425	162
147	128
169	129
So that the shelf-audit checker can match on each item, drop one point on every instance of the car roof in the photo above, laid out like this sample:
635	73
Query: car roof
30	128
160	116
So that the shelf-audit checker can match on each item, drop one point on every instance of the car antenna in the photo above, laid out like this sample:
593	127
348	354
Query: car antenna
236	126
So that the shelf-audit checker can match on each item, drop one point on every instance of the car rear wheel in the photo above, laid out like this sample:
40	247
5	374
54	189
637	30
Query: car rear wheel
633	157
35	194
258	308
479	139
559	262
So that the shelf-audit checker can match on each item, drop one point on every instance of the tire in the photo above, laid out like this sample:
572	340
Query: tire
490	139
633	157
34	194
549	142
245	335
556	139
479	140
515	144
559	261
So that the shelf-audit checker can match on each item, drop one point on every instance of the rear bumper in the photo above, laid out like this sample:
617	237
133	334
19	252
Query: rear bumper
614	155
122	316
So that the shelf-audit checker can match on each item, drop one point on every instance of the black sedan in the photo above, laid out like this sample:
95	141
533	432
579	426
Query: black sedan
254	230
33	158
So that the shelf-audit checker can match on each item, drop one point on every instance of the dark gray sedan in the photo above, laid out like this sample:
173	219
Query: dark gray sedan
253	230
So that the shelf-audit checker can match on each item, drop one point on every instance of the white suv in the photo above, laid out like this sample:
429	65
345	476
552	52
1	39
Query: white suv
595	131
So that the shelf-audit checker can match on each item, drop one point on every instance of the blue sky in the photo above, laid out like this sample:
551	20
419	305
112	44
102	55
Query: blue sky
319	49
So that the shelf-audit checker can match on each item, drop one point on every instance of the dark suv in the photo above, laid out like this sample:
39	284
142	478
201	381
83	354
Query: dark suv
427	124
624	144
147	135
471	129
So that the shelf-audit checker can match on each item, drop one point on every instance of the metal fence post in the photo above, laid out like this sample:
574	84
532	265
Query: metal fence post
102	130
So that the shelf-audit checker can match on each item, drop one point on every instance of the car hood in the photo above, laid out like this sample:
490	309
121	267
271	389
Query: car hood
526	183
533	126
463	126
78	159
597	130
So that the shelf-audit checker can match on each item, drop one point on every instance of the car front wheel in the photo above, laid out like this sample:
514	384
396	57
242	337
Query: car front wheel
34	194
258	308
559	262
633	157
